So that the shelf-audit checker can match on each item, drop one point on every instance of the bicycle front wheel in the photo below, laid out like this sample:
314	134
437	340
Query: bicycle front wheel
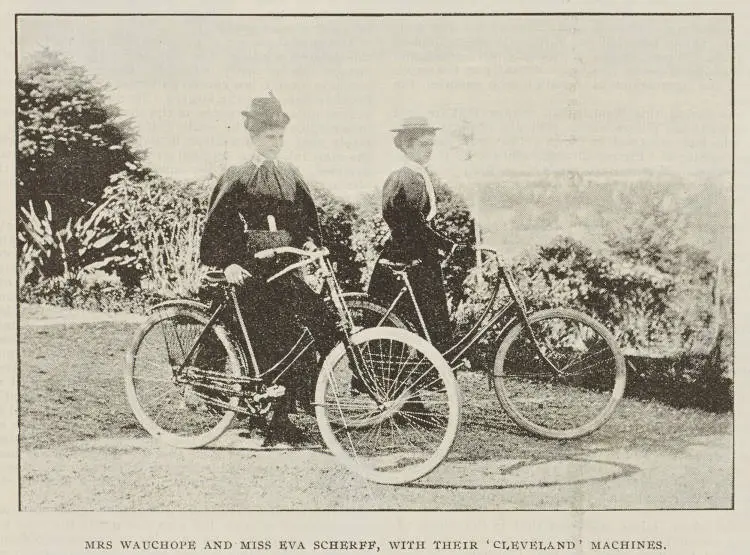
564	379
193	408
394	420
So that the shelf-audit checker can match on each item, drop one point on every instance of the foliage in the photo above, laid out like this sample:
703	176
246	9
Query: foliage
337	220
90	295
163	220
369	234
80	247
70	137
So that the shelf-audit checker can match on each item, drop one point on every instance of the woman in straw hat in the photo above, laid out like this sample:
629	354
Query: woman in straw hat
409	206
260	204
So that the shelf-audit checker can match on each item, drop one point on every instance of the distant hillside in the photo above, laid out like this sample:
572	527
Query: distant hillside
519	212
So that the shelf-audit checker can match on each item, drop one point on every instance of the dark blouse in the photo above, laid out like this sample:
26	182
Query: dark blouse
405	208
243	198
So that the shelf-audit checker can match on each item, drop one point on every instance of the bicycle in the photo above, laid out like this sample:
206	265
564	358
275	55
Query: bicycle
386	402
558	373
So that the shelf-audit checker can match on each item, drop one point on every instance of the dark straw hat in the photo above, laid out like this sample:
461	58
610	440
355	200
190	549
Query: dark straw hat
267	110
415	123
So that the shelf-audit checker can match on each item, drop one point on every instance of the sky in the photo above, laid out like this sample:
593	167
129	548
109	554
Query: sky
539	93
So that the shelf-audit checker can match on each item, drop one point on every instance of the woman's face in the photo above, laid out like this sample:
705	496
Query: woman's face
420	150
268	142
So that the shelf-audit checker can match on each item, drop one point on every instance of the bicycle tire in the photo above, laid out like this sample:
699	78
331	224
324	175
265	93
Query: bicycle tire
178	414
569	403
399	423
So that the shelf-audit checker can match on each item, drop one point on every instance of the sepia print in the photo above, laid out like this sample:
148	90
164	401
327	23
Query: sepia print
375	262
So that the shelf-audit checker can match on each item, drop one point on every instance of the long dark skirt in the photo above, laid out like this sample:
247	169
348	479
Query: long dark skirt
427	282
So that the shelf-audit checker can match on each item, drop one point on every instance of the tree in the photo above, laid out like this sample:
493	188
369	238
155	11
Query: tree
70	138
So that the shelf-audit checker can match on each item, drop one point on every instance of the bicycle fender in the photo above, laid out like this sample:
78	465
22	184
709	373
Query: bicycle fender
187	303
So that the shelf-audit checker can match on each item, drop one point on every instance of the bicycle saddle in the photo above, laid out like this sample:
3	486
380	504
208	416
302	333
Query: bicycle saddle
215	276
399	266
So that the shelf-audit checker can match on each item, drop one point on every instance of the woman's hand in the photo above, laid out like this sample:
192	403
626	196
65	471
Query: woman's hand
236	274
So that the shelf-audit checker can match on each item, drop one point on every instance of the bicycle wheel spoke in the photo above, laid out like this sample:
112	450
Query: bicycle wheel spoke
181	415
390	440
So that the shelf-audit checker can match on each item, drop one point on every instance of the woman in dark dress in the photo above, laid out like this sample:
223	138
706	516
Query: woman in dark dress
265	202
409	205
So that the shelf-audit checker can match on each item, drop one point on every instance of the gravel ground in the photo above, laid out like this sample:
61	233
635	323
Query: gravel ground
82	449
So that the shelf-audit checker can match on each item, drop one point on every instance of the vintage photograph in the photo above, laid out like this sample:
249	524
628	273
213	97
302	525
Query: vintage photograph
375	262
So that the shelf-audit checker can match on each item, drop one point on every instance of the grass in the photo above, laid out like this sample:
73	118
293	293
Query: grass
71	383
72	389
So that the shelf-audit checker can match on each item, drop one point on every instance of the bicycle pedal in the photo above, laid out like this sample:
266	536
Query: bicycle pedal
464	364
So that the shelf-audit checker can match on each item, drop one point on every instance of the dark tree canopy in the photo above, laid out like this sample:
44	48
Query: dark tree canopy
70	138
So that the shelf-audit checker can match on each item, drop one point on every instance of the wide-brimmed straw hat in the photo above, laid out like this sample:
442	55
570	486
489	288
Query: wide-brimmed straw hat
415	123
267	109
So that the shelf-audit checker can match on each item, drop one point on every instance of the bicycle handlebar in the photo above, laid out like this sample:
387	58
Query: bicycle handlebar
485	248
270	253
309	257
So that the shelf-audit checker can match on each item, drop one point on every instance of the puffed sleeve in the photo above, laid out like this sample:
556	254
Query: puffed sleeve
222	242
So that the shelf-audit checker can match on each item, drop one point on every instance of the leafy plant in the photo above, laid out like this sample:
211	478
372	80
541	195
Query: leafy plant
79	247
163	220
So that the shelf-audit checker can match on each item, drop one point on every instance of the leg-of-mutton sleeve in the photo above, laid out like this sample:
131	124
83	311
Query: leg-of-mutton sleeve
223	239
309	223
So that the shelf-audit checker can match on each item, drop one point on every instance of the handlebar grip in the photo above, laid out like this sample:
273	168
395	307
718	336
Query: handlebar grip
267	253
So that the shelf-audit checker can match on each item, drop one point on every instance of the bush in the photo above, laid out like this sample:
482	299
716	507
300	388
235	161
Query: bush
684	380
100	296
71	138
163	221
337	221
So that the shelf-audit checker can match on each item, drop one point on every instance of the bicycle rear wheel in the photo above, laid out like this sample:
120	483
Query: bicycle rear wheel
396	420
188	410
577	392
367	314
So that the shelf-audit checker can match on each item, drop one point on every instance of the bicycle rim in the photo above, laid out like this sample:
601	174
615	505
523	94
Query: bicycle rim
180	412
395	422
576	396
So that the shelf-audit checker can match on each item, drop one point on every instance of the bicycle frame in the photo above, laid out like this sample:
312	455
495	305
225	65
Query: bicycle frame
230	305
483	324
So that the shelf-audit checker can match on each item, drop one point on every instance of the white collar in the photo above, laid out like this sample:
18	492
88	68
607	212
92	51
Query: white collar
419	168
258	160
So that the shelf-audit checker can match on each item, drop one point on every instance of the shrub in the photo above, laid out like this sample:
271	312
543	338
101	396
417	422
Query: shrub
71	138
163	220
337	221
100	296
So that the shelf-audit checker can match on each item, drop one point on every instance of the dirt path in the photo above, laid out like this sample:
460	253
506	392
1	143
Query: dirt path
127	474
